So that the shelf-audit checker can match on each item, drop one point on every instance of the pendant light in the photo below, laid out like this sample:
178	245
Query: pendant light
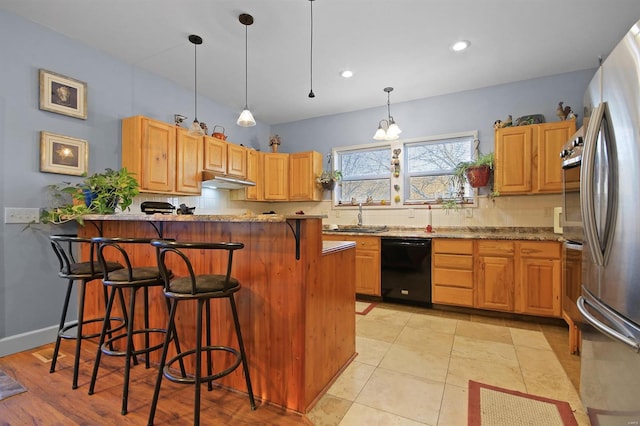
311	94
195	129
246	118
387	129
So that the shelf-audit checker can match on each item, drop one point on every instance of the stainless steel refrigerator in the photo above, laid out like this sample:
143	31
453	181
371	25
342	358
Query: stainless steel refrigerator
610	208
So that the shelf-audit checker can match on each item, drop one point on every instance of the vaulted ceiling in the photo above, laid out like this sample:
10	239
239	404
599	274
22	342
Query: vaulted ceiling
399	43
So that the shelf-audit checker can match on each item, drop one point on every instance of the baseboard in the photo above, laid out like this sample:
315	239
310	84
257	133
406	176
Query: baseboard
29	340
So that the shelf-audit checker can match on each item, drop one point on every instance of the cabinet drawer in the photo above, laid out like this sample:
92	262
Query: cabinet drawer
453	246
452	277
454	261
493	247
452	296
540	249
367	243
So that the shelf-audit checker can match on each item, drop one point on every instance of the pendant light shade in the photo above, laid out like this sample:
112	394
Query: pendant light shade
246	118
195	129
387	129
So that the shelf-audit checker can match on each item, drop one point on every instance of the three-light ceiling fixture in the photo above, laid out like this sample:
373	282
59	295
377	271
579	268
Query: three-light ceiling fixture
246	118
387	129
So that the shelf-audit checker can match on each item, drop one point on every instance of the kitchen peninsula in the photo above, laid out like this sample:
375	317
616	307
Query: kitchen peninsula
296	304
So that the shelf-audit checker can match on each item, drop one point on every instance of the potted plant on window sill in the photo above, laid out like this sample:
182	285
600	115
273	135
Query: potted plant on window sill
100	193
328	179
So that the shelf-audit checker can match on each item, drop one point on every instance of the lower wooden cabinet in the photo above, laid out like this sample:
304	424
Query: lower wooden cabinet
367	262
540	278
495	284
522	277
452	272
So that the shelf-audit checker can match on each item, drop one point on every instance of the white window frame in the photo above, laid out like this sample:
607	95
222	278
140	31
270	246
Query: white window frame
403	177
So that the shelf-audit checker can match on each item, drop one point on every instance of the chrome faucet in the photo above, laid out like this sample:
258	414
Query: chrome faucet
359	214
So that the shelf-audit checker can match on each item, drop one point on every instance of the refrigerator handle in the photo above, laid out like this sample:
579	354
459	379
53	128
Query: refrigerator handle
605	329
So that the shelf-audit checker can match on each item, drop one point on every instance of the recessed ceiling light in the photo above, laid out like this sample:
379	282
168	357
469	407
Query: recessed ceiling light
347	73
461	45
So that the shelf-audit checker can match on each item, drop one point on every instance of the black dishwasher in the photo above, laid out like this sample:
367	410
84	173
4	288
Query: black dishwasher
406	270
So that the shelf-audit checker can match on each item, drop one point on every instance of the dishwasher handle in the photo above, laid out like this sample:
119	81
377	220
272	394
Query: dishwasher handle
406	243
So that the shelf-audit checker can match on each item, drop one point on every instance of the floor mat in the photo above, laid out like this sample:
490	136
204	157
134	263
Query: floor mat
9	386
494	406
363	308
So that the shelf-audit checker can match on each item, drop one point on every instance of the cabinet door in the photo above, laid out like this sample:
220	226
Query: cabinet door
368	272
551	138
495	283
254	174
540	286
303	168
276	177
236	161
189	160
215	155
158	147
513	148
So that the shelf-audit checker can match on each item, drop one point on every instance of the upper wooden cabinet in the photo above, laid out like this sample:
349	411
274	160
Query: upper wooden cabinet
303	169
165	159
224	157
528	157
276	177
254	174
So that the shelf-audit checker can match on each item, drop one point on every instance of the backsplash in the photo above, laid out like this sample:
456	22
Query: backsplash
523	210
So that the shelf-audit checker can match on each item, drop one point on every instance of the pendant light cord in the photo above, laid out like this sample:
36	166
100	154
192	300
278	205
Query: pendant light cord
195	79
311	94
246	66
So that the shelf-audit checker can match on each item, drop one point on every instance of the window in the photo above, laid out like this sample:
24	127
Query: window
366	175
426	167
430	164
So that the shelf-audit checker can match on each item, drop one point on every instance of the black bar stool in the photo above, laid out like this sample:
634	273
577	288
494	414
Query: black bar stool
133	279
83	272
201	288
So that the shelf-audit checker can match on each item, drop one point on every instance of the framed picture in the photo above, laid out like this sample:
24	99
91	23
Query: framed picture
63	95
63	154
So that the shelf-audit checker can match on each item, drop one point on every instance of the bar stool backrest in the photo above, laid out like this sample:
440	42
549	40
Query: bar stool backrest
105	243
62	245
164	247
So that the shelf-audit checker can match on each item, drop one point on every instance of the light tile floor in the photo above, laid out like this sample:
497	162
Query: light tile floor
413	368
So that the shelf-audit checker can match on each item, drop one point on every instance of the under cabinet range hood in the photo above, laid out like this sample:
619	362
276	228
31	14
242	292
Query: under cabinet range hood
211	180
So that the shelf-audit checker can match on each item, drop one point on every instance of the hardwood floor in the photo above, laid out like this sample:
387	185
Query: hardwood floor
49	399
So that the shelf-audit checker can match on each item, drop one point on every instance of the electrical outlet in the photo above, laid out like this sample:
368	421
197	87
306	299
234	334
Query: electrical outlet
337	213
468	213
21	215
411	213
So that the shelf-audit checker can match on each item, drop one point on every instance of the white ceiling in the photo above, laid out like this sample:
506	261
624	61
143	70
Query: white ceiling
399	43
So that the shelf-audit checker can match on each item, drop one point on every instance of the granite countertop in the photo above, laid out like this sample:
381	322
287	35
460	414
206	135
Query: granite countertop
334	246
158	217
482	233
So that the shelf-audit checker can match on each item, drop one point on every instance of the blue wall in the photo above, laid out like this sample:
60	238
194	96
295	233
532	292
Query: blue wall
30	292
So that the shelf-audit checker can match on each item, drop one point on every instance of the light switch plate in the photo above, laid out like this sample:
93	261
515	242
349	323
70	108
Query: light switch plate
21	215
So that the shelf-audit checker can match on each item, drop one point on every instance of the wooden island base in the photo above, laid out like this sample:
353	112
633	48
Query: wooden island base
297	315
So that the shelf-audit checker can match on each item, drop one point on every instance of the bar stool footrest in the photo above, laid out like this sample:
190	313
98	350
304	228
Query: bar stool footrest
105	346
204	379
74	324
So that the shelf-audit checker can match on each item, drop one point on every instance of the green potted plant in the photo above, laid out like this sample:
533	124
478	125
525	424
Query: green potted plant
99	193
328	178
477	172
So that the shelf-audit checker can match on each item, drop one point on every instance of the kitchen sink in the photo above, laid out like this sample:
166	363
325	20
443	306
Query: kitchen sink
364	230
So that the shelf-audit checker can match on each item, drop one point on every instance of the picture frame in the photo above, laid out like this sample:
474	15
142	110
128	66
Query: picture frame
63	95
63	154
